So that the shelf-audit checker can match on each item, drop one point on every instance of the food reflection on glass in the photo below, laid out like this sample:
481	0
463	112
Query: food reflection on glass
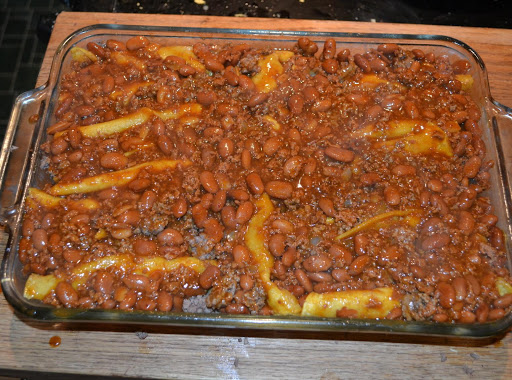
247	180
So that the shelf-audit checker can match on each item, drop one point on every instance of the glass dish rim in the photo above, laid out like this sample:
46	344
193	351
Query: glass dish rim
50	314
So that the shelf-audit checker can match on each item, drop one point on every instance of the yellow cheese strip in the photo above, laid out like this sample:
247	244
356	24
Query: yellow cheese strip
49	201
42	198
82	272
185	110
372	80
270	68
123	58
375	303
185	52
117	125
149	265
273	122
503	286
38	287
393	129
82	55
374	220
466	80
127	91
281	301
416	136
111	127
117	178
429	139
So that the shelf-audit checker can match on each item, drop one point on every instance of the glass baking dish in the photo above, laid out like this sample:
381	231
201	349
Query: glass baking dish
20	162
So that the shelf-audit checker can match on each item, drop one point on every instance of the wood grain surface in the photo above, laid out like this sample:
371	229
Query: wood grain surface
155	352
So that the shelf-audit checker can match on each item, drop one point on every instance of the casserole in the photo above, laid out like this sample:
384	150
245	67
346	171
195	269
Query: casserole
35	176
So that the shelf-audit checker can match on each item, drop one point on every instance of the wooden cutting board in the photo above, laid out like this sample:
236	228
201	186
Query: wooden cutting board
189	353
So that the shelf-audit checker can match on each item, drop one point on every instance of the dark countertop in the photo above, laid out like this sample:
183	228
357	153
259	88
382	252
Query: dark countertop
25	25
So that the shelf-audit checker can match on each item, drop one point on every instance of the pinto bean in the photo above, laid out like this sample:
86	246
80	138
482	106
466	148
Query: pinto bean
296	104
164	301
137	42
503	302
246	159
272	145
378	64
277	244
108	84
206	98
213	230
482	313
357	266
179	208
213	64
340	275
329	49
255	183
369	179
228	216
186	70
72	255
279	189
39	239
341	255
219	201
362	63
241	255
404	170
58	127
289	256
311	94
170	236
59	146
66	294
388	48
208	276
466	222
446	294
460	286
292	166
322	105
307	46
327	206
330	66
246	282
244	212
144	247
114	160
339	154
317	263
435	241
496	238
136	281
147	200
238	194
304	280
209	182
392	195
139	184
472	167
104	283
257	99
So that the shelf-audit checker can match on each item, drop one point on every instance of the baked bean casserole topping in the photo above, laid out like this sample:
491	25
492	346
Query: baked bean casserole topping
246	180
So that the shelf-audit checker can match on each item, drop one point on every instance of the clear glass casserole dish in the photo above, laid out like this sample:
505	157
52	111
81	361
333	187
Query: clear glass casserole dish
21	169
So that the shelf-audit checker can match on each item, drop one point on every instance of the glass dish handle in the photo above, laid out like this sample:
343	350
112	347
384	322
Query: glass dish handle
502	125
17	148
